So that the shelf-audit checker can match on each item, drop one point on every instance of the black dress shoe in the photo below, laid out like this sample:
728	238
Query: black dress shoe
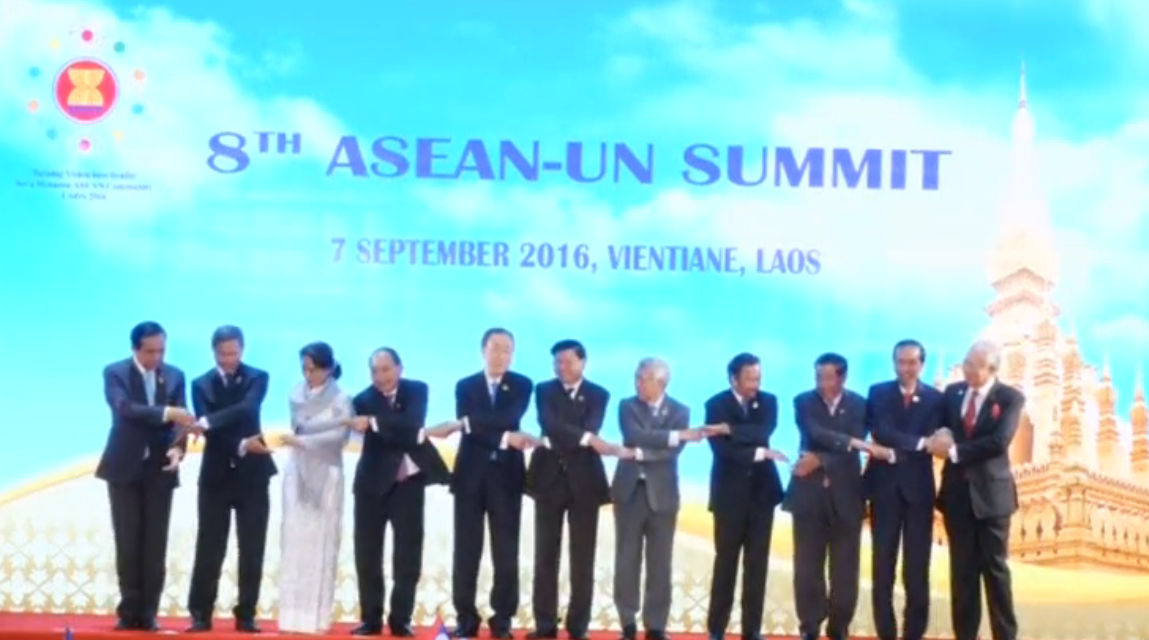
502	634
149	624
543	634
199	625
246	625
468	632
578	635
629	632
123	624
752	636
402	631
656	635
715	636
368	629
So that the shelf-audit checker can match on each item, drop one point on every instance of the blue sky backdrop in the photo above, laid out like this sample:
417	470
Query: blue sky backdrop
200	249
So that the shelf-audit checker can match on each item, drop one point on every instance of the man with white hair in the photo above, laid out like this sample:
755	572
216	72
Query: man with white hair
645	496
978	494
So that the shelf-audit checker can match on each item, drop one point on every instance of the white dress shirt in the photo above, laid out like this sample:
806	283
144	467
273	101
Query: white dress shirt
672	438
572	391
759	452
496	383
420	438
979	402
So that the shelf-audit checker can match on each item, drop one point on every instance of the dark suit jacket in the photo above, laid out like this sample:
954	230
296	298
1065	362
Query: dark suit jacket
232	413
736	480
565	421
398	436
828	437
479	452
138	427
982	466
898	426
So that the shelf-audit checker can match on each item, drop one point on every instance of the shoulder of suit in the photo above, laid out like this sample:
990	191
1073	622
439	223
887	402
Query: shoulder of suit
364	395
1009	390
520	379
594	387
803	397
410	384
173	371
928	390
882	387
474	378
767	397
673	402
955	388
118	367
255	372
716	398
853	396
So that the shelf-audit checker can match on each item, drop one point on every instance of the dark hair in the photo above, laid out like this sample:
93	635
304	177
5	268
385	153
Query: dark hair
910	343
145	330
569	345
740	362
495	331
226	333
841	366
322	356
389	351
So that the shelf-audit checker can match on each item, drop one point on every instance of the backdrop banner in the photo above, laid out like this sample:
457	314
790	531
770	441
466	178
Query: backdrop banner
687	180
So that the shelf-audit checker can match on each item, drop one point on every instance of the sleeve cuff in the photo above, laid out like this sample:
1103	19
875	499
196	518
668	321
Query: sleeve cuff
953	454
503	440
420	438
638	455
921	444
164	417
584	441
672	440
759	454
546	442
241	450
375	425
467	426
893	457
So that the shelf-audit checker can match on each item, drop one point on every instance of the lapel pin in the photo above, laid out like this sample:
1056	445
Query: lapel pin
916	399
506	388
754	405
580	398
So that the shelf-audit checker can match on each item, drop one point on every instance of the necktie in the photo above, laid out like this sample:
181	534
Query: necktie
229	380
391	400
493	389
907	398
150	386
742	404
571	392
969	419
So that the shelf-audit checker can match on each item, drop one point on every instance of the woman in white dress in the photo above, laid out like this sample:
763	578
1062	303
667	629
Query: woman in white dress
313	495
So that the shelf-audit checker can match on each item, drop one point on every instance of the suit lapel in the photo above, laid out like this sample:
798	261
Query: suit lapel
136	383
985	415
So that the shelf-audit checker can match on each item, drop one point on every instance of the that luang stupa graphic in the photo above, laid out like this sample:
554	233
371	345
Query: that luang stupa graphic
1084	494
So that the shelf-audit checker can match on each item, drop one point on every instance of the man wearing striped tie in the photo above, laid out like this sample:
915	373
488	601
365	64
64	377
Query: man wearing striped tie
140	463
978	495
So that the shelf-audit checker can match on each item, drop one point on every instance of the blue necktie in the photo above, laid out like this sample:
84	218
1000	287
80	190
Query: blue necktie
150	386
494	389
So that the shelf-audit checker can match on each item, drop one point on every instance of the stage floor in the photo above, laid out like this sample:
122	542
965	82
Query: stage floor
21	626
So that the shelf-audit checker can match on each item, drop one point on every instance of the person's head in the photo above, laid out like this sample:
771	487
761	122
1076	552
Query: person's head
149	341
570	359
319	365
498	349
651	378
745	374
227	345
981	363
386	368
830	374
909	358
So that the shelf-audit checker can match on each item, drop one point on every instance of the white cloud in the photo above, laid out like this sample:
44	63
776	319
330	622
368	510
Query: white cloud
1126	330
191	91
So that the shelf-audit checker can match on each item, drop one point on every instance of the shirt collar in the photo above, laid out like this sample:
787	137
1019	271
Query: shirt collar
492	379
657	404
983	390
572	388
139	367
908	391
832	403
739	397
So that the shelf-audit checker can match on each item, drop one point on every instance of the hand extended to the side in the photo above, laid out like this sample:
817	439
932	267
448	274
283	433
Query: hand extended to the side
940	443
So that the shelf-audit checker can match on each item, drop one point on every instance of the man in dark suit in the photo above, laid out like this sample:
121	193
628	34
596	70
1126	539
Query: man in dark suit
234	474
902	414
744	490
397	464
488	483
978	494
140	463
825	499
567	480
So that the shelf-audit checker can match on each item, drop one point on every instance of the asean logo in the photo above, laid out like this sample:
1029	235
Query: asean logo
87	91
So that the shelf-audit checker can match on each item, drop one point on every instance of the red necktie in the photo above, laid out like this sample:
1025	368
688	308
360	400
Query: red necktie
969	419
907	398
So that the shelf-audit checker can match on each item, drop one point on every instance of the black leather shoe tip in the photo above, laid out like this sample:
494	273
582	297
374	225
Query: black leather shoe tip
368	630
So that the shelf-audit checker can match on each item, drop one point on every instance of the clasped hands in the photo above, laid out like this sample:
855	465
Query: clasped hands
940	443
876	451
